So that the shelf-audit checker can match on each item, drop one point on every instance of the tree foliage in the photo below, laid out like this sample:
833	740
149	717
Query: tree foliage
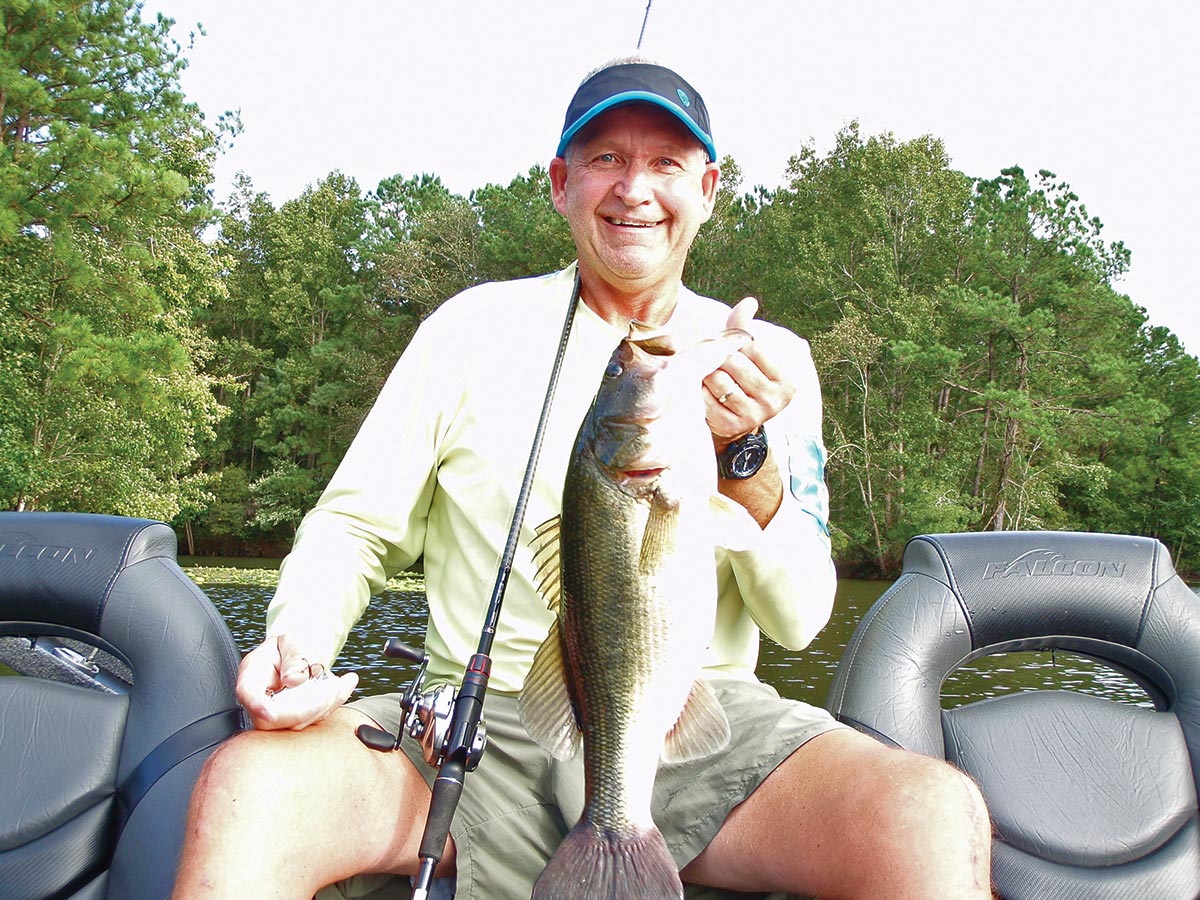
104	174
165	358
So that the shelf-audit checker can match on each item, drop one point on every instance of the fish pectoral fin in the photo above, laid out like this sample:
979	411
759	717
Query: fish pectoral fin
660	536
702	728
545	702
548	577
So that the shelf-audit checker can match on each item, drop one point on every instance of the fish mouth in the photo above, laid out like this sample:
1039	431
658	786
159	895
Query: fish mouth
638	477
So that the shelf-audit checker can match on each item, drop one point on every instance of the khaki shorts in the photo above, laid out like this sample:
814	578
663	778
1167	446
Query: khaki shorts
520	802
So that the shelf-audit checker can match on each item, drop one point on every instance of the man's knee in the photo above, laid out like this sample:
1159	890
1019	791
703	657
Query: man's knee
933	806
250	770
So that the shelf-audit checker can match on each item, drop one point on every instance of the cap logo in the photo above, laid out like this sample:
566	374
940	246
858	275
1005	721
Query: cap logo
683	97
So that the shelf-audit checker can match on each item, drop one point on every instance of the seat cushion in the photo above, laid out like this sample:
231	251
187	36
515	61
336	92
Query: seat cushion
1074	778
58	751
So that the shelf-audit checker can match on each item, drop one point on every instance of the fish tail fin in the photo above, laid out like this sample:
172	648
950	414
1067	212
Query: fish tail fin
599	864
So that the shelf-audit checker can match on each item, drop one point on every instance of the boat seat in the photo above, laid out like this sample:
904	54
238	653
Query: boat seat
1089	797
120	682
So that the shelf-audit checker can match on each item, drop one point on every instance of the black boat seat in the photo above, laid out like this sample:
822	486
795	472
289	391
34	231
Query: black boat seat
1091	798
98	765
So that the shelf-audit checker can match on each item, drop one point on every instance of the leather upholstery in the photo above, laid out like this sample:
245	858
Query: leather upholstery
1090	798
97	783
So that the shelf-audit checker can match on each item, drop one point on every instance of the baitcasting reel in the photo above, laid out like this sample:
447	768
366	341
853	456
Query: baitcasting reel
428	717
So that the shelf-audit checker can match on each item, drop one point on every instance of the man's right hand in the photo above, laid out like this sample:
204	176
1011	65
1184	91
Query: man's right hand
280	688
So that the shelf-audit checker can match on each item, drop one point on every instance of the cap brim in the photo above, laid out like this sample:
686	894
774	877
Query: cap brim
638	97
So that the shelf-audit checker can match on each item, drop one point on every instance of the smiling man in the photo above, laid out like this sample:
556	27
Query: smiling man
794	803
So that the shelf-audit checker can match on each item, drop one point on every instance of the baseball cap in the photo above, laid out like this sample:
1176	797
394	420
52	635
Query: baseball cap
638	83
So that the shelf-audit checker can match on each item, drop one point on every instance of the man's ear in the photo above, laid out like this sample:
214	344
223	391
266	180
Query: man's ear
558	183
709	182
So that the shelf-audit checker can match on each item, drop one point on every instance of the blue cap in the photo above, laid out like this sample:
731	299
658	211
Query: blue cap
638	83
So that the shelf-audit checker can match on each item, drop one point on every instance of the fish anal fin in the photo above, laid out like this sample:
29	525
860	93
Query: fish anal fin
702	728
545	702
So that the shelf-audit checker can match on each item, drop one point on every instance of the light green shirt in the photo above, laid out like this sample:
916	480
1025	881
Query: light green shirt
437	465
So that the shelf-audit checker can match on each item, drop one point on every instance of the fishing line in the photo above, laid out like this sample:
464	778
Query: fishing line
645	19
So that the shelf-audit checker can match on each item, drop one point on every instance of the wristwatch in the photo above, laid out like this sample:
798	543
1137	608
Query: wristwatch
744	457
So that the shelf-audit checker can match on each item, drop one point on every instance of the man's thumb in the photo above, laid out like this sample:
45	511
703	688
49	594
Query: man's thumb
742	314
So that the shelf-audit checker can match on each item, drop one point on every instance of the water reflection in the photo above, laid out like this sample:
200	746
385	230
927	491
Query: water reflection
804	675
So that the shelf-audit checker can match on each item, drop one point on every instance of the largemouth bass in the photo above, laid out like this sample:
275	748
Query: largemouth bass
628	569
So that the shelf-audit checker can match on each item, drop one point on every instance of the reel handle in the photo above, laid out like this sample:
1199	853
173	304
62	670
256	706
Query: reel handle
377	738
394	648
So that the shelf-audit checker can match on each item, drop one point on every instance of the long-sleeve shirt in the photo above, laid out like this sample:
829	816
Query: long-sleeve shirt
437	465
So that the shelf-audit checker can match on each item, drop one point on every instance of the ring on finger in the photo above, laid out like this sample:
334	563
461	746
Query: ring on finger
317	670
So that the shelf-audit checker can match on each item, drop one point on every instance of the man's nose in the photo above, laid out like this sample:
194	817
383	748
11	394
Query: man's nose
634	187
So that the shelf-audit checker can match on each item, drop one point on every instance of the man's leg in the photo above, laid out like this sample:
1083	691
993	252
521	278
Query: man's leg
280	814
845	816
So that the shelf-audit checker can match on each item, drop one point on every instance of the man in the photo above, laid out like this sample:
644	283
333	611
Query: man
796	803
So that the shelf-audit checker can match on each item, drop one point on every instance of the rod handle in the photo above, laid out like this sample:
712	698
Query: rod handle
447	788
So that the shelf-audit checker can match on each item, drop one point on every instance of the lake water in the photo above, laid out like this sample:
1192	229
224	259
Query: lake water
804	674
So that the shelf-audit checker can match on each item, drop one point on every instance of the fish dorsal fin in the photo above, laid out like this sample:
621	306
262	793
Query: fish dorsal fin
702	728
545	702
547	578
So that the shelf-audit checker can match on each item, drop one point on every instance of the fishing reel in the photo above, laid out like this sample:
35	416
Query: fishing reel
428	717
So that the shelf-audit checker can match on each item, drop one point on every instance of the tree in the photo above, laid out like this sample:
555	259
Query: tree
429	243
1046	345
103	196
522	233
852	253
332	338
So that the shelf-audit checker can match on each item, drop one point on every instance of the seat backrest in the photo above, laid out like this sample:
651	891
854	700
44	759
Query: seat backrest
97	778
1090	798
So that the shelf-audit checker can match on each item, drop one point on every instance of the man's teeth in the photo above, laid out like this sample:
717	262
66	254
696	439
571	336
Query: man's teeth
632	224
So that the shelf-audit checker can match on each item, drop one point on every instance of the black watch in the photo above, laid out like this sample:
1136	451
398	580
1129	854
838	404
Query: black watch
744	457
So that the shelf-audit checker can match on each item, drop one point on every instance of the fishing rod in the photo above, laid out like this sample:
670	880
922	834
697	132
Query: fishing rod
448	721
645	19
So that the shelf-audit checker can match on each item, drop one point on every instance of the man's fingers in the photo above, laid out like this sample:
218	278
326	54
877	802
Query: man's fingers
293	664
301	706
258	675
282	688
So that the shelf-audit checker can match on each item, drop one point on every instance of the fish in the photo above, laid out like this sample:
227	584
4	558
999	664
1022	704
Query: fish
627	568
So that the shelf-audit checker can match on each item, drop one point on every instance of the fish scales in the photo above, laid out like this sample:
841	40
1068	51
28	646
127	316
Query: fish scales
627	567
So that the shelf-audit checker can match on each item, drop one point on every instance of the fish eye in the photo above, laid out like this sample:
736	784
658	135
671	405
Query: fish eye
614	369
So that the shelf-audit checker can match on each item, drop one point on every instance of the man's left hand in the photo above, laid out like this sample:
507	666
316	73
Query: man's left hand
749	388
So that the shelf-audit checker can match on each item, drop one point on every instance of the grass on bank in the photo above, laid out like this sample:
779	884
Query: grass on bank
265	573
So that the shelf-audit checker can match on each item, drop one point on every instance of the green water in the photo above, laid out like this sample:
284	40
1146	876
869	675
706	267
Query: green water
804	674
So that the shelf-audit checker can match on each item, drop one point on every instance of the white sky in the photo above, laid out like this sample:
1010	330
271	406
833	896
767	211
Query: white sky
1102	93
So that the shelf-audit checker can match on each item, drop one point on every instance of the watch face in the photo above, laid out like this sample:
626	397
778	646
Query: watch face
744	457
747	460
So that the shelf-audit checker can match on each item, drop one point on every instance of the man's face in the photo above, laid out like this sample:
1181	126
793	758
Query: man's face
635	187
